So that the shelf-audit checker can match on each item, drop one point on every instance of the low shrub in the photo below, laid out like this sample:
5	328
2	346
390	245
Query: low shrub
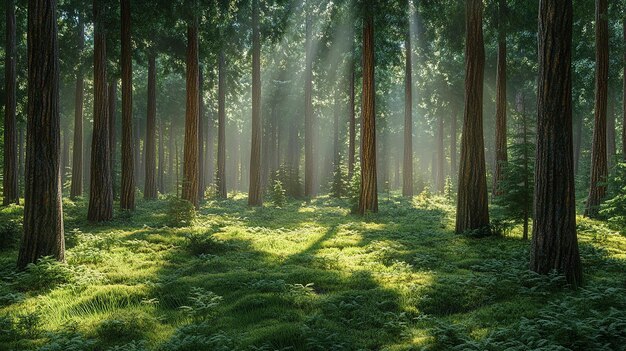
180	212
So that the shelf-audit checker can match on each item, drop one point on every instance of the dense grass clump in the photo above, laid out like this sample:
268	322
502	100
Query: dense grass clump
306	276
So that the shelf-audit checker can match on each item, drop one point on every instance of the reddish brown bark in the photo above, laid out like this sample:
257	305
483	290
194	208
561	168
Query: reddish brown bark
352	122
43	212
309	164
150	186
407	169
554	242
221	129
501	132
201	175
190	162
368	199
10	184
113	130
599	167
472	207
254	192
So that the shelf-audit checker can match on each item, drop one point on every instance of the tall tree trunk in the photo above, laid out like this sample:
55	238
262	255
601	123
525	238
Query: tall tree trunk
578	137
43	211
599	168
308	111
501	132
201	175
521	108
150	187
65	159
20	157
368	199
112	130
624	96
611	148
441	156
254	192
161	173
407	168
554	243
10	186
171	155
472	208
454	169
137	153
177	169
352	122
209	150
190	162
101	193
221	129
127	196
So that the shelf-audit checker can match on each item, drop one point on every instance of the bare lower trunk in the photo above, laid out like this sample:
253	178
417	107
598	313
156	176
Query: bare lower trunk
407	169
254	192
112	131
127	195
150	185
190	173
501	132
221	129
309	164
10	185
201	175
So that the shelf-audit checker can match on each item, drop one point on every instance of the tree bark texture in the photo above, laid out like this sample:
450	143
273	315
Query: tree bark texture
309	162
190	160
407	168
501	131
221	129
254	192
113	130
127	195
150	186
10	186
201	175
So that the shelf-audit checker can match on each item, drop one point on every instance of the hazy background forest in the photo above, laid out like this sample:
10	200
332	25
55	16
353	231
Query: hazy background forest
313	175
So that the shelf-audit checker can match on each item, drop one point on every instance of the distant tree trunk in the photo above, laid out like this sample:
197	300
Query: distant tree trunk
137	152
624	96
190	162
171	155
407	169
578	136
254	192
521	108
210	149
441	156
161	172
472	207
20	160
554	243
368	199
150	186
127	196
501	132
65	159
611	148
454	170
599	168
177	169
10	186
309	164
43	212
201	175
221	129
112	129
352	123
101	194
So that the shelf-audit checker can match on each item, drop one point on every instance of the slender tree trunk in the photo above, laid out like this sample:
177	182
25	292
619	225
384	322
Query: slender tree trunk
65	158
611	148
137	153
352	122
254	192
21	156
454	169
501	132
150	187
221	129
177	169
407	169
309	164
472	207
201	175
10	186
210	149
441	156
599	168
43	211
171	155
368	199
161	176
127	196
554	243
190	163
112	130
624	96
101	193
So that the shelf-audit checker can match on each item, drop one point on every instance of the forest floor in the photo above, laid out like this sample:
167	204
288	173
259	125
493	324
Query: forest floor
309	276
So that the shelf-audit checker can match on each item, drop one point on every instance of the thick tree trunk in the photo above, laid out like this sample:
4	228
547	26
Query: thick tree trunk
43	212
254	192
472	207
599	168
10	185
221	129
309	164
190	162
127	195
554	242
501	132
407	169
112	130
150	186
441	156
201	175
101	193
368	199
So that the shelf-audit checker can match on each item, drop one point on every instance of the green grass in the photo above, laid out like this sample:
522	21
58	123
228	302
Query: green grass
308	276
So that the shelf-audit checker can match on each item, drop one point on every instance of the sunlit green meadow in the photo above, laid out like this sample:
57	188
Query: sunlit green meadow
308	276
